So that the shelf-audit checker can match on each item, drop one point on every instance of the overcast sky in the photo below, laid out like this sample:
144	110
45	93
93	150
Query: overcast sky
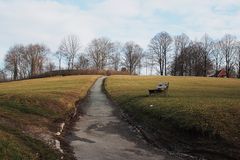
48	21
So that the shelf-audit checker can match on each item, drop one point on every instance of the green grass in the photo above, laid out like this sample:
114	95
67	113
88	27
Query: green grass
15	145
205	106
29	108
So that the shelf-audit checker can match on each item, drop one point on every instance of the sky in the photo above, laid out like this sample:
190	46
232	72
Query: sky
49	21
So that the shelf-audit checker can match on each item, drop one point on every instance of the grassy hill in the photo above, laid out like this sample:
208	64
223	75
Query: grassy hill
203	113
30	112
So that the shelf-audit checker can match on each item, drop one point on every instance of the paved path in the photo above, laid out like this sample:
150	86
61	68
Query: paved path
101	135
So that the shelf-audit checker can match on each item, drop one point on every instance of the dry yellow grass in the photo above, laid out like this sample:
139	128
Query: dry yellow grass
208	106
32	106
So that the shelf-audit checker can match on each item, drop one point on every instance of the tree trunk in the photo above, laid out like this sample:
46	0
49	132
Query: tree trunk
227	71
160	68
15	74
165	63
205	66
59	67
69	63
239	66
239	70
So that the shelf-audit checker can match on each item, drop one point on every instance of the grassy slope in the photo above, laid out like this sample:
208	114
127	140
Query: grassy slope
28	110
206	106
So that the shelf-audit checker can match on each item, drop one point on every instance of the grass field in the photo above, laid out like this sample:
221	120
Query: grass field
201	107
29	110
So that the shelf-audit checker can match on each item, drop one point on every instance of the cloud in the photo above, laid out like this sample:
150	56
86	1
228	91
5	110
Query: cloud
48	21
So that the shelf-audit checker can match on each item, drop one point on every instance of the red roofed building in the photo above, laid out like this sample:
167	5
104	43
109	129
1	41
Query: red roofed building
220	73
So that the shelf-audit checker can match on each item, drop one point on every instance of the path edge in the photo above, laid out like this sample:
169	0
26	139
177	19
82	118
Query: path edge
140	129
72	118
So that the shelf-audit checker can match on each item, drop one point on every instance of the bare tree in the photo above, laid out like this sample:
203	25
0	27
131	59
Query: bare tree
82	62
132	55
3	75
152	63
115	57
139	66
35	56
217	57
159	46
99	51
50	67
146	62
12	60
115	60
24	67
180	42
228	49
59	55
70	47
208	46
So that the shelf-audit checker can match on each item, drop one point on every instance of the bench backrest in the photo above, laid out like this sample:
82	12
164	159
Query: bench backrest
163	85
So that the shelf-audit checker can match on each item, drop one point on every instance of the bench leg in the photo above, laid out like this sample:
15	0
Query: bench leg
166	93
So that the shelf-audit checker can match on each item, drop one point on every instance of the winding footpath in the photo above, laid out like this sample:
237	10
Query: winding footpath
101	135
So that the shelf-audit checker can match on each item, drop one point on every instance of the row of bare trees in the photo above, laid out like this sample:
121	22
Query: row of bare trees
192	61
181	56
177	55
101	53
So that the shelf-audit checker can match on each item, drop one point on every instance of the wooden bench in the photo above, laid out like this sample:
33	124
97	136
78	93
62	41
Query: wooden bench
162	88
